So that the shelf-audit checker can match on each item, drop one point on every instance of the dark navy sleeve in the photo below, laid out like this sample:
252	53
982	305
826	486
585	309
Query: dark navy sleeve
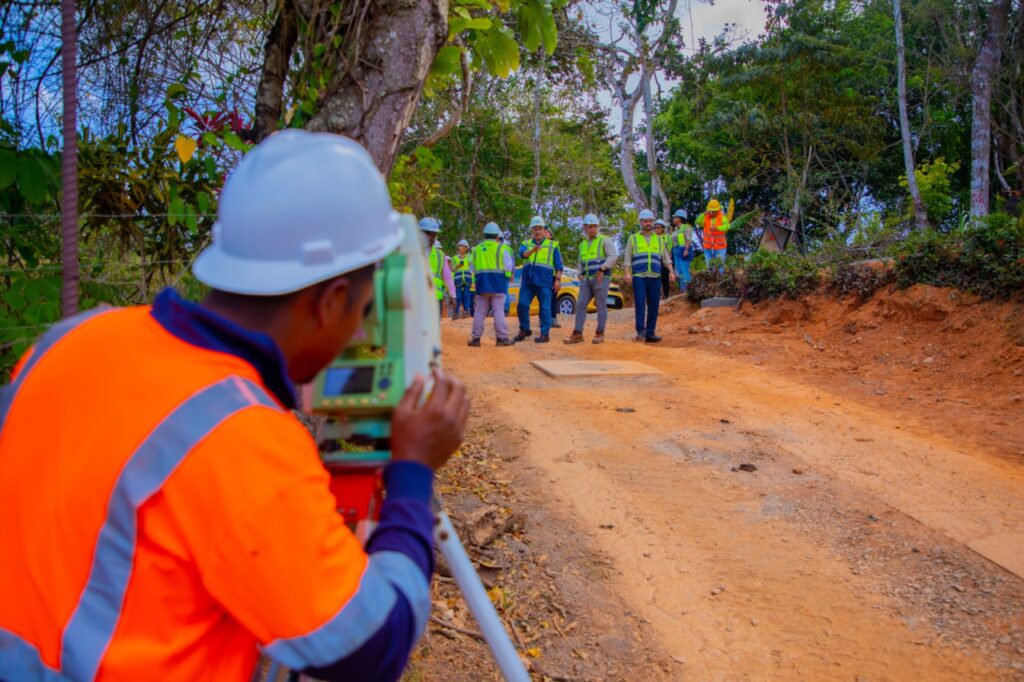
406	525
558	259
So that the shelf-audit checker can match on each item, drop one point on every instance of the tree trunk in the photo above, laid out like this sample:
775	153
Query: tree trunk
69	161
920	215
657	191
372	96
627	108
276	53
981	88
537	98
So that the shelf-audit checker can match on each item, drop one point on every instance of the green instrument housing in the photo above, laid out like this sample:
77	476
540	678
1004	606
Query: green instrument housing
366	382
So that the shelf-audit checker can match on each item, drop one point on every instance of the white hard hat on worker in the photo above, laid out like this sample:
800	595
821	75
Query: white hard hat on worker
300	208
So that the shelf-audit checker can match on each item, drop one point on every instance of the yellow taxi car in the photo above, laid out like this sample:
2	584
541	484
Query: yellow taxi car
565	304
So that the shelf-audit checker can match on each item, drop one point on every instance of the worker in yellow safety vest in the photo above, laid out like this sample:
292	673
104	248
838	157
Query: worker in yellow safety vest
646	256
462	273
439	263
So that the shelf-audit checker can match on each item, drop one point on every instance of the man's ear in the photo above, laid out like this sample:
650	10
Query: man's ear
332	301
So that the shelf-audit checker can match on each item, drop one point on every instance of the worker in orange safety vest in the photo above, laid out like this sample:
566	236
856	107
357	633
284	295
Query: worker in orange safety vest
163	514
714	224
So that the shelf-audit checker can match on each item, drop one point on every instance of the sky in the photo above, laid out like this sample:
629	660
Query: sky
708	21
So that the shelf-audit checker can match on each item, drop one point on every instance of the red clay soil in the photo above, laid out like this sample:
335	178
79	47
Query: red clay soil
926	351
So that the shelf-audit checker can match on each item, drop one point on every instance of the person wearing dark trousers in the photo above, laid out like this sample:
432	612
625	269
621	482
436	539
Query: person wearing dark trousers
659	229
555	324
644	261
541	263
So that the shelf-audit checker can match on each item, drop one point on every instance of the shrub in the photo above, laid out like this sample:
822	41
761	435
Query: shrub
770	275
986	259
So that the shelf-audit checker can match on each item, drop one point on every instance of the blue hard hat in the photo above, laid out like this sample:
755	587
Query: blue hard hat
492	229
430	225
646	214
681	213
591	219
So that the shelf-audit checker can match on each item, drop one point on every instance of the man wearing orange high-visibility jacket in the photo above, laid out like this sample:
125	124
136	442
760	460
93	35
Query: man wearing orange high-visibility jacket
714	224
163	515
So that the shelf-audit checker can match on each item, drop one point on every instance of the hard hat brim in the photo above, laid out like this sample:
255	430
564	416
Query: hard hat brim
223	271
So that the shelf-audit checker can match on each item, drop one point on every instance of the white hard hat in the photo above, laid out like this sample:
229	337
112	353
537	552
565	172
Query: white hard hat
646	214
430	225
463	242
492	230
590	219
661	222
299	209
681	213
537	220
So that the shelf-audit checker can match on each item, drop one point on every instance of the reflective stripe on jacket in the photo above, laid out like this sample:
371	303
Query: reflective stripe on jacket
714	231
460	269
592	255
169	516
489	271
646	254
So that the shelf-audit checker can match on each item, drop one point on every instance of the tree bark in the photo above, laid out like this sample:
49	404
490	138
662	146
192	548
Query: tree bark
982	77
276	53
69	161
920	215
372	96
657	191
627	109
537	100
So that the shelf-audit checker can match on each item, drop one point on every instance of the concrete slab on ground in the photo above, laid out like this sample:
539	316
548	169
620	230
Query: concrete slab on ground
583	368
719	302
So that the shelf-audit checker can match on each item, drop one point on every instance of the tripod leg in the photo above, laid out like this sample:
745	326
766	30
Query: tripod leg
493	630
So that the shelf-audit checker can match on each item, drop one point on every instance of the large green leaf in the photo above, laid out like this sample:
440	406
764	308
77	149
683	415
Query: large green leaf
33	180
537	26
446	61
8	172
530	17
457	25
500	51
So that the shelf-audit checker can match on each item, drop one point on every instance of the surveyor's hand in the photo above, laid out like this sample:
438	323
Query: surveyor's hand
671	276
599	277
629	278
557	285
431	432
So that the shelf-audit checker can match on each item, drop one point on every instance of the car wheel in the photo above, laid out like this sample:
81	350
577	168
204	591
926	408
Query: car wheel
566	305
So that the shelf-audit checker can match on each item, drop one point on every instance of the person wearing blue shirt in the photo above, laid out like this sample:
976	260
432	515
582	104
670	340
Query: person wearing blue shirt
541	279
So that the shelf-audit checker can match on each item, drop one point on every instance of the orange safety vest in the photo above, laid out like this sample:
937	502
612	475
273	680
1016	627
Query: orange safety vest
714	238
161	516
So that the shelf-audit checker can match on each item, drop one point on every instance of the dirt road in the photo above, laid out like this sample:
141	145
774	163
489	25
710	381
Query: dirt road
861	545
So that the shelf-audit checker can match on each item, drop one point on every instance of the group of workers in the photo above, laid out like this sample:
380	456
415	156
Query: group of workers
164	513
478	279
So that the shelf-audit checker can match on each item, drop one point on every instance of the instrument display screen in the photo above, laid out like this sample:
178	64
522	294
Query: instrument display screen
348	380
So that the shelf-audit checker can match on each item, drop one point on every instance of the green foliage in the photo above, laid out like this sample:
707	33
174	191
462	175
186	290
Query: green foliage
987	260
770	275
934	180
